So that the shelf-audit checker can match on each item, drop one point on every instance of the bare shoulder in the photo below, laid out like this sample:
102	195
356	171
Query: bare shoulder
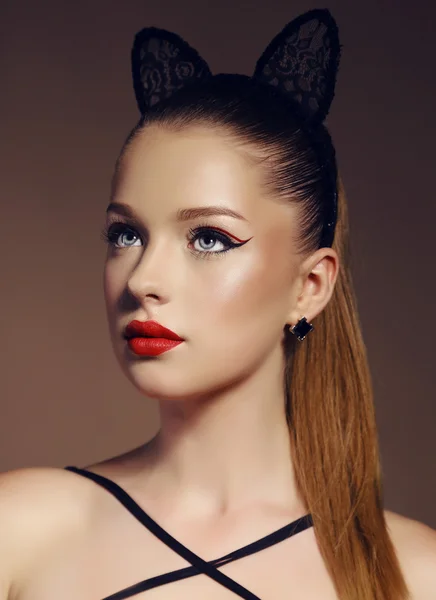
39	506
415	544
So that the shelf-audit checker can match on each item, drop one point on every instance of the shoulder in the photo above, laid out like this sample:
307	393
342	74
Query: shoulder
39	506
415	545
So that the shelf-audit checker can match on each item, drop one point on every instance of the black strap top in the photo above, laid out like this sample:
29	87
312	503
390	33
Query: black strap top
198	564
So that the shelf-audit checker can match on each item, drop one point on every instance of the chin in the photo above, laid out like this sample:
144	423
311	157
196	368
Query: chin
153	380
157	383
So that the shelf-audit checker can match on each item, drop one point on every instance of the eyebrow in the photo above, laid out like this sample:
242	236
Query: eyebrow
183	214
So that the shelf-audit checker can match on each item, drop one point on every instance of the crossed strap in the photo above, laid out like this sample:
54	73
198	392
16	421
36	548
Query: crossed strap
199	566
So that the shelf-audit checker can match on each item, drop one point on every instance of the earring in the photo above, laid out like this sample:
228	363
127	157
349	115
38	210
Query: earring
301	329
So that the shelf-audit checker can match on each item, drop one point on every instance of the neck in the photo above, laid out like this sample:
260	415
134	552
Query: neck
228	453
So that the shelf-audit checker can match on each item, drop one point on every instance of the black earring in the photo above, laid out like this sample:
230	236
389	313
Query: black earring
301	329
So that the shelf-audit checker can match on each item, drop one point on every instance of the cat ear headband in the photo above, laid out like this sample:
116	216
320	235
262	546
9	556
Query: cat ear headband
301	61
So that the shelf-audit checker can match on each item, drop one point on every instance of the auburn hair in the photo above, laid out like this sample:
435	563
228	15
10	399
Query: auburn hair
329	400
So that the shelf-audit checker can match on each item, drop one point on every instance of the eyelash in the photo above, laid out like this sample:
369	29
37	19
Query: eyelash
111	233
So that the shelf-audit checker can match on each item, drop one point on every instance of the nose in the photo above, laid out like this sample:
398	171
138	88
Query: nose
153	273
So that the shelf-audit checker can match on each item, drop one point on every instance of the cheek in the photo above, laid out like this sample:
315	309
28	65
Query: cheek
112	285
246	291
108	284
233	319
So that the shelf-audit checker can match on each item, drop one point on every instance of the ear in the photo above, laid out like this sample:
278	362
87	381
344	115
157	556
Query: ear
318	277
162	62
302	61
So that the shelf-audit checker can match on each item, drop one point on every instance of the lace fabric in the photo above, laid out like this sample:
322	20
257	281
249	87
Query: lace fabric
162	63
302	61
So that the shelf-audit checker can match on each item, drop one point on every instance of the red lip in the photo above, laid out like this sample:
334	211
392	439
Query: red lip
149	329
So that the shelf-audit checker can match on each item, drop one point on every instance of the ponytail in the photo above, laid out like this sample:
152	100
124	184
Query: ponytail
334	443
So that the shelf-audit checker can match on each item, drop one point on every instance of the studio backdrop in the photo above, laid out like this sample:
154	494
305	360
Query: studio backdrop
67	104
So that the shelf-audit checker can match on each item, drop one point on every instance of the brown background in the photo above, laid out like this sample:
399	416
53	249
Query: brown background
67	104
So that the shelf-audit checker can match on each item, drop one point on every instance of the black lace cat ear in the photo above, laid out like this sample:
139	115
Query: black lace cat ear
302	61
162	62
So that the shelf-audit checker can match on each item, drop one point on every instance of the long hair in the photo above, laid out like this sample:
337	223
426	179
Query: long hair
329	402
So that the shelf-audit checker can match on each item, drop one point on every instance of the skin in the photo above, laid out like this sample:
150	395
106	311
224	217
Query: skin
224	383
218	475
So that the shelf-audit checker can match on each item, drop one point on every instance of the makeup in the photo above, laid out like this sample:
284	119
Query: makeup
149	338
144	346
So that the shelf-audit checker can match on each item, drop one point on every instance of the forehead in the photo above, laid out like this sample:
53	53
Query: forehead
163	171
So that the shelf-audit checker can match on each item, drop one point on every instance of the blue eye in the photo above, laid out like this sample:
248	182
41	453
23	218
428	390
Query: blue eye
112	234
211	236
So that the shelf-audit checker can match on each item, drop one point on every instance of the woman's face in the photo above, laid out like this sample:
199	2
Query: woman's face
230	307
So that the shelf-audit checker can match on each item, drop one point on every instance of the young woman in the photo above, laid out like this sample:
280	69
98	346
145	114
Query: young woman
229	302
